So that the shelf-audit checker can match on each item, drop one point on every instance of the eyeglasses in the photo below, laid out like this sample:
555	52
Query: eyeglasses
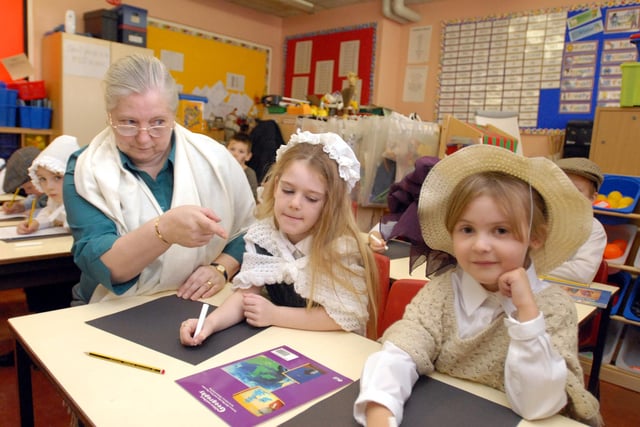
133	130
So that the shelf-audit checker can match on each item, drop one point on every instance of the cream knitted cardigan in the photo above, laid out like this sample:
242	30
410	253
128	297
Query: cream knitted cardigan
428	332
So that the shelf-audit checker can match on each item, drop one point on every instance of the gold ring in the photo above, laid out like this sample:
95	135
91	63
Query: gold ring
210	285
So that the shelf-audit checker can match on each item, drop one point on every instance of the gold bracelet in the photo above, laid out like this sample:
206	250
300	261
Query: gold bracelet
158	231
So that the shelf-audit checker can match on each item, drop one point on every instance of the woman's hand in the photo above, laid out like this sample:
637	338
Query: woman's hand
515	285
190	226
28	227
258	310
206	281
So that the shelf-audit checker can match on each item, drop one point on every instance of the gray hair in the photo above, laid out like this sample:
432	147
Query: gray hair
138	74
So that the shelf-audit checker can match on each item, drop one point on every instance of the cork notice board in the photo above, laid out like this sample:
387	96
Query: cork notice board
231	73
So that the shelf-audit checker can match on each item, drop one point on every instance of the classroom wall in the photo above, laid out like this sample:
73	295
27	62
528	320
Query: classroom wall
216	16
225	18
393	38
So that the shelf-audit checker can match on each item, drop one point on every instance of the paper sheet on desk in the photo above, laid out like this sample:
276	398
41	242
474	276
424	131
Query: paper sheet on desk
155	325
432	403
10	234
14	216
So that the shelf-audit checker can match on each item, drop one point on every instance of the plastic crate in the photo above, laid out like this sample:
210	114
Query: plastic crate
8	144
626	232
634	298
102	23
622	279
8	97
29	90
132	37
627	185
629	354
132	16
35	117
8	115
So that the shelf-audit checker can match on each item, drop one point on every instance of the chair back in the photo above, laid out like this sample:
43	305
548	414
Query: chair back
401	293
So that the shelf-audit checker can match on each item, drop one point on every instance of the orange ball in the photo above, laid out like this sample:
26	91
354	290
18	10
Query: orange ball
612	251
621	243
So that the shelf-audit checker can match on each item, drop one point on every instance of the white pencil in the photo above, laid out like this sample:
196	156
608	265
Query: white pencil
378	241
203	315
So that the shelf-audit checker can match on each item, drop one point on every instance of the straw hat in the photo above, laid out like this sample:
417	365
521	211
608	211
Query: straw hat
583	167
569	212
54	157
17	168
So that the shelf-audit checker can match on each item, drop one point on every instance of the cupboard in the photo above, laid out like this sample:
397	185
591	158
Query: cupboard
614	141
73	70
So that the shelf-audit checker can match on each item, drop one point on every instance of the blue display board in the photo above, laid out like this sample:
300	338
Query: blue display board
548	66
607	29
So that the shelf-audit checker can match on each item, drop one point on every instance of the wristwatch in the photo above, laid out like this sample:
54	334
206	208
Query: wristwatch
221	269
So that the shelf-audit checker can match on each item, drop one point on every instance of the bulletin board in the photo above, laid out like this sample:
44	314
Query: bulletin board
318	63
13	30
230	73
551	66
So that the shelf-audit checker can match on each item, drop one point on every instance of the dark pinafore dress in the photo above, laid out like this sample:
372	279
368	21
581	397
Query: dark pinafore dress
282	294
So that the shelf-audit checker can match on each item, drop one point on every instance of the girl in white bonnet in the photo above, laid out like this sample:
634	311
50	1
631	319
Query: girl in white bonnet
305	265
47	172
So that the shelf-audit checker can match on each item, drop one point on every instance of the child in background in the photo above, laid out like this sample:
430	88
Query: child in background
47	172
240	147
304	252
583	265
17	177
506	218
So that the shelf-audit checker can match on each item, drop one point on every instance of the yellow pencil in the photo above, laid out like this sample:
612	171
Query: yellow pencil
33	208
126	362
13	199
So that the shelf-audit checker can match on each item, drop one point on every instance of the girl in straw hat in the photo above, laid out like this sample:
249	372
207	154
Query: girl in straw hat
506	219
304	265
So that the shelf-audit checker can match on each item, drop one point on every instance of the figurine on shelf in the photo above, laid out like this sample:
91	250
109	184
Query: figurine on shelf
349	97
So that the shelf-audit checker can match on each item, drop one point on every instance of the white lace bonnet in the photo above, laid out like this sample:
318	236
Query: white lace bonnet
54	157
337	149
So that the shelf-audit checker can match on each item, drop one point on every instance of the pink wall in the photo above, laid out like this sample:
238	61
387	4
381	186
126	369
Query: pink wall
391	50
392	39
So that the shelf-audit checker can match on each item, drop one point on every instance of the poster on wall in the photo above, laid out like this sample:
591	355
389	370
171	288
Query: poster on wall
324	62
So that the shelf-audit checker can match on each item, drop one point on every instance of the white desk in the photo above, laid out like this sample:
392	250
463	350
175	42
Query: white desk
38	261
108	394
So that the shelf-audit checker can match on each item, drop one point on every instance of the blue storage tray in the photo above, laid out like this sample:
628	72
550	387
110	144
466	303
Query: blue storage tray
635	294
622	279
627	185
8	115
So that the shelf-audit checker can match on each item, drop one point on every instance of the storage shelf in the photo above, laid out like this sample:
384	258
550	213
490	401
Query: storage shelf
29	131
613	374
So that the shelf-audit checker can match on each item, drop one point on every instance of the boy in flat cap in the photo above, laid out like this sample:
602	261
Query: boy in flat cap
583	265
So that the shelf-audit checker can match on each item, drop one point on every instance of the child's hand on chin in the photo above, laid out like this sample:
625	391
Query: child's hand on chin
515	284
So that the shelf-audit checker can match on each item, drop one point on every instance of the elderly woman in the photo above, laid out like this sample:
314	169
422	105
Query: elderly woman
151	205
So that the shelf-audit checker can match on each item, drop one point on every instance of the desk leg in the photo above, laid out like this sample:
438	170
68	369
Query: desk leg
598	351
23	368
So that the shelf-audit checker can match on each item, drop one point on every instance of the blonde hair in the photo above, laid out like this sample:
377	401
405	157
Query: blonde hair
336	220
513	196
138	74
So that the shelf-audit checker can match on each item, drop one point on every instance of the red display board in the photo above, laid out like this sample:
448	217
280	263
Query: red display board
12	32
327	46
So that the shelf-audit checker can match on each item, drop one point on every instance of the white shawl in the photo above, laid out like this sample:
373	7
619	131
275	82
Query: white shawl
205	174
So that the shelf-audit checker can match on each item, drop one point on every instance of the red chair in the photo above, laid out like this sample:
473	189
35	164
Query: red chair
588	333
401	293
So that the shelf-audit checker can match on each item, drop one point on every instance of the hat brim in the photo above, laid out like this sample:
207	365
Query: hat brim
569	212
